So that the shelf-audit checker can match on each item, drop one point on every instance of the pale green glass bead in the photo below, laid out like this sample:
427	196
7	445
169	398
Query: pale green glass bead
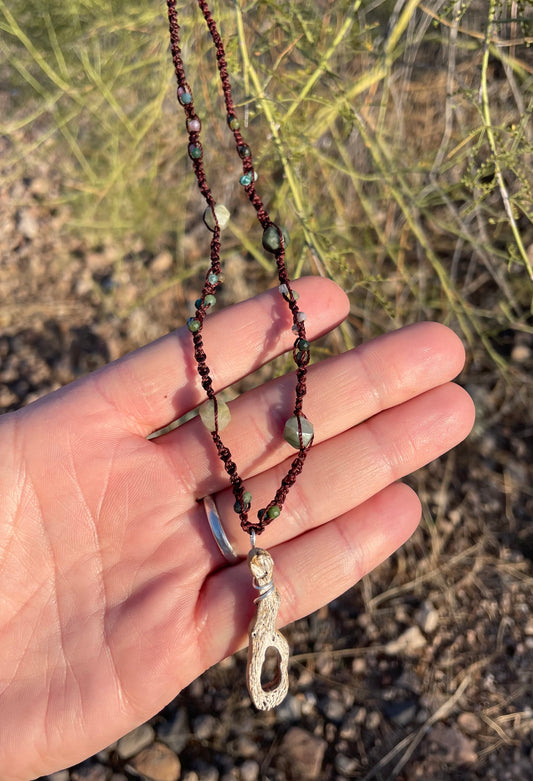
207	414
222	217
291	434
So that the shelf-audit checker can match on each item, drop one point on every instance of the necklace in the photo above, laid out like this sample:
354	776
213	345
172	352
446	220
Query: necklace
298	431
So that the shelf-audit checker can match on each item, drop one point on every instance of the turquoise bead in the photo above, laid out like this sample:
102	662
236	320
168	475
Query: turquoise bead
212	279
195	151
245	180
291	433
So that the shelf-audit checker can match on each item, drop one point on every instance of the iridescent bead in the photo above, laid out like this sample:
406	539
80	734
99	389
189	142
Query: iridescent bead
291	432
194	125
221	216
195	151
193	325
207	414
271	240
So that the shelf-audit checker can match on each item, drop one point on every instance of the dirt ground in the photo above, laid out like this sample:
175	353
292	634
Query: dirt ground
423	671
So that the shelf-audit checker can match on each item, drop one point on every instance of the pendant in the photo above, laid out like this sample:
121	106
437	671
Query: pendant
263	635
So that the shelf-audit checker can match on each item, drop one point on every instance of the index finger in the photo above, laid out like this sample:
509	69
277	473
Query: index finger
158	383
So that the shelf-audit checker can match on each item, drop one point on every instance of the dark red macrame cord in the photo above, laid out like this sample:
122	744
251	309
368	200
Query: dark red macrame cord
301	357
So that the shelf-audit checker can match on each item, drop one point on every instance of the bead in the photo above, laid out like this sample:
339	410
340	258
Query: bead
207	414
301	317
184	97
291	433
194	125
195	151
271	240
302	358
247	501
198	303
193	325
245	180
284	290
302	344
210	300
233	122
221	216
244	150
212	278
273	512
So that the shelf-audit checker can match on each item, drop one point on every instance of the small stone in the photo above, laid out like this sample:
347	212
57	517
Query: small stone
135	741
401	713
520	353
407	643
373	720
271	240
207	414
457	749
157	763
291	431
469	723
304	752
427	617
162	262
250	770
27	224
334	709
204	727
91	772
222	216
348	766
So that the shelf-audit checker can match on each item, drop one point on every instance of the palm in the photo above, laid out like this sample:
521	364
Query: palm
115	595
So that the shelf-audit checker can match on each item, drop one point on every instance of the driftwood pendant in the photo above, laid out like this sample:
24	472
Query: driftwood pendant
264	635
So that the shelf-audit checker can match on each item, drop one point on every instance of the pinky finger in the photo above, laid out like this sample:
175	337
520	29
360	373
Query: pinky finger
310	570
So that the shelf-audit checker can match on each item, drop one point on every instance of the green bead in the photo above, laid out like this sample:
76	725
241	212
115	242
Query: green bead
207	414
291	432
210	300
193	325
195	151
274	511
271	240
233	123
247	500
302	344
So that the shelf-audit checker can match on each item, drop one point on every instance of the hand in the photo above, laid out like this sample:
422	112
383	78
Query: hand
114	594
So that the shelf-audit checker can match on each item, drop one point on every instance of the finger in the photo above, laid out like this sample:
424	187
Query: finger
347	470
158	383
342	391
310	571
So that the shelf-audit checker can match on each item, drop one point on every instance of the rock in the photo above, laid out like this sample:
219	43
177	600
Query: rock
407	643
135	741
427	617
90	772
401	713
245	747
289	710
333	708
162	262
373	720
457	749
303	753
27	224
469	723
175	733
157	763
348	766
204	727
250	770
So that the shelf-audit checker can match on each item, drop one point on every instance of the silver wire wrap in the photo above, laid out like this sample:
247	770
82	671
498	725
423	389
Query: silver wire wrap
219	534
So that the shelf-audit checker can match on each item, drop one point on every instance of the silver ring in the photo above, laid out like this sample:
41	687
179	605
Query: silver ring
219	534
